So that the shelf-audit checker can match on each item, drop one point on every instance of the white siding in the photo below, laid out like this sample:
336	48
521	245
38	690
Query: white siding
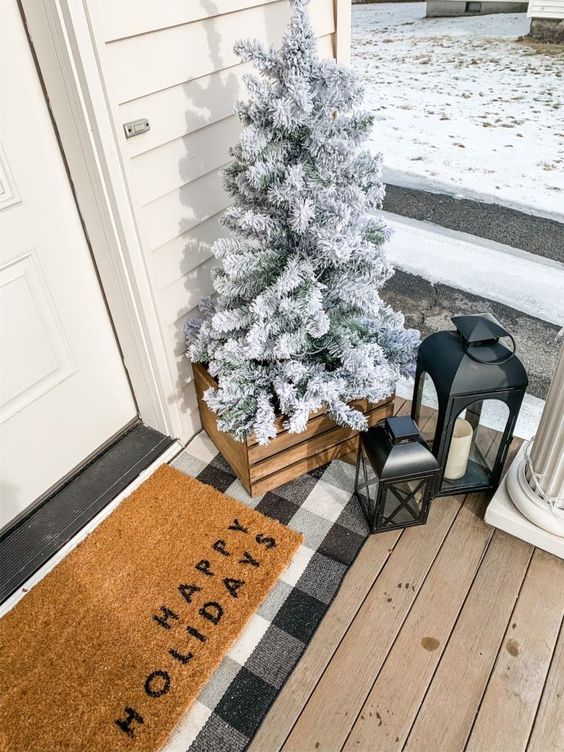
173	63
541	9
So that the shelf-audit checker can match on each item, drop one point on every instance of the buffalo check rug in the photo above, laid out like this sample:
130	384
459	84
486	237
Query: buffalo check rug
320	505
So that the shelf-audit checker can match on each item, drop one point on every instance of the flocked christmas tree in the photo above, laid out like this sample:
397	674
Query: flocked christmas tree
297	323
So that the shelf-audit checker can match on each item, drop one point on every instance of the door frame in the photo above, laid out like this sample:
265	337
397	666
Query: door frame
61	42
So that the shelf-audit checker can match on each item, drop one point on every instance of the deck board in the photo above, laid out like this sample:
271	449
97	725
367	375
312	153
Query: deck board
548	730
517	681
348	679
391	706
446	716
468	586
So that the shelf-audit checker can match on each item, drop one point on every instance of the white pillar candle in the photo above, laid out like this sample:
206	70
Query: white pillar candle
459	451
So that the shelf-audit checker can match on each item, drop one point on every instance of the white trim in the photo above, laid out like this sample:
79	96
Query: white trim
63	44
342	35
167	456
9	194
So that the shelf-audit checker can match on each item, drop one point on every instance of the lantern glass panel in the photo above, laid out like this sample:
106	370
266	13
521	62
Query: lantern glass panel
367	483
403	504
427	405
477	437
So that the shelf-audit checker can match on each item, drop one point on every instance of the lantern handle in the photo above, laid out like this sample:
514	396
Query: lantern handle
492	362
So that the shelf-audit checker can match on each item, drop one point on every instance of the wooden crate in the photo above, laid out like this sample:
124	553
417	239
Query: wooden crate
289	455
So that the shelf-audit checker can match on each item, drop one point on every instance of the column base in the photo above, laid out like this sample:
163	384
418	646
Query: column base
512	510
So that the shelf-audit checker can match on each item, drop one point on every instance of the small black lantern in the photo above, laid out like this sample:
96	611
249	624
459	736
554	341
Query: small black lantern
395	475
476	383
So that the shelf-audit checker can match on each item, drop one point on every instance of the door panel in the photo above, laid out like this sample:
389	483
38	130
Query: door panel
63	387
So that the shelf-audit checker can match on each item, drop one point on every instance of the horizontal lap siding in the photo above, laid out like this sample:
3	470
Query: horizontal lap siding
173	63
151	62
128	18
552	9
185	252
187	107
176	163
181	210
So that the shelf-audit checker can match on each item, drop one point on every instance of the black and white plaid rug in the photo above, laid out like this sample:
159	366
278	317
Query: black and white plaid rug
321	505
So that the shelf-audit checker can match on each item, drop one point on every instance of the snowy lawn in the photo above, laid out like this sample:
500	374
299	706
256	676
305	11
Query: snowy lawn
461	106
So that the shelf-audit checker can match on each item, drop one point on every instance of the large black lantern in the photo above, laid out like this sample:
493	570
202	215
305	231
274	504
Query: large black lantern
395	475
477	385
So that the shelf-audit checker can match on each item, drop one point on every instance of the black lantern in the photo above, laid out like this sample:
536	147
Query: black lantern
395	475
477	385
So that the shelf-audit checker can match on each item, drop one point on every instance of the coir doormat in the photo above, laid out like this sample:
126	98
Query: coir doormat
108	651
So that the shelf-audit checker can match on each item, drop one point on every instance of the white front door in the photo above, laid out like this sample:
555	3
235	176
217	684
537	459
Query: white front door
63	390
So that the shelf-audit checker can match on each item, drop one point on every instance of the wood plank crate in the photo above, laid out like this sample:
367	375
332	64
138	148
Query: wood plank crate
289	455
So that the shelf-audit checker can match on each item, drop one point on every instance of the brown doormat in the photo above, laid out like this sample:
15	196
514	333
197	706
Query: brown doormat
108	651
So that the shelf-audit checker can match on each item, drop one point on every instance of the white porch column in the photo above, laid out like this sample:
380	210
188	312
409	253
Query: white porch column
534	484
547	451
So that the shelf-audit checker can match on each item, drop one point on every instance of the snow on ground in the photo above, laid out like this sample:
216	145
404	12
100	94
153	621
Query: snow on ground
461	106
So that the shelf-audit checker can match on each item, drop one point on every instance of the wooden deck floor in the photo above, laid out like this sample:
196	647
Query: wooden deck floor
445	637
